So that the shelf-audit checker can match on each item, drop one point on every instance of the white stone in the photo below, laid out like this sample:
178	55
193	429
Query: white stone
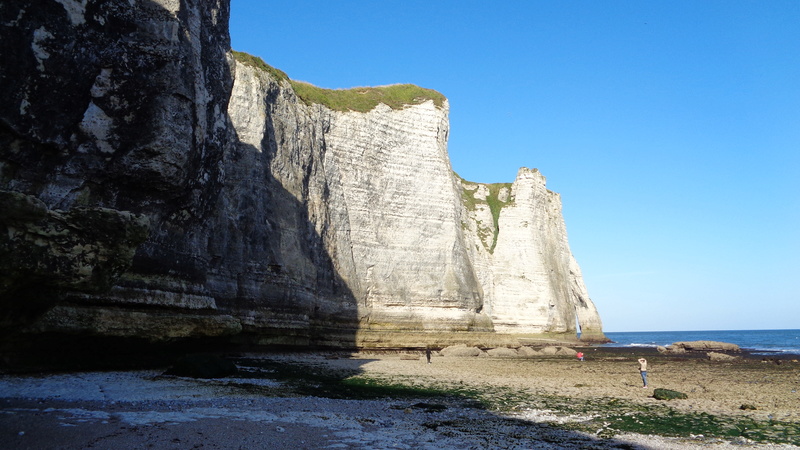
97	123
40	35
76	10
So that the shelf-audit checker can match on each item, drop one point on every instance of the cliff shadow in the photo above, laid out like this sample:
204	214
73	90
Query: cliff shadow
232	260
268	263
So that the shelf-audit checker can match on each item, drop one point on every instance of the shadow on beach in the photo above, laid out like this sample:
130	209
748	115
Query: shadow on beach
290	400
347	400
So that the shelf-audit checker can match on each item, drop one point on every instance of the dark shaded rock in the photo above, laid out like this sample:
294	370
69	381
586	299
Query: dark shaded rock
202	366
747	406
121	106
668	394
44	253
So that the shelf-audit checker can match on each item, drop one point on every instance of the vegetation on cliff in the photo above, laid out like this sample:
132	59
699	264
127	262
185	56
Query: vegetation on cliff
258	63
493	200
364	99
361	99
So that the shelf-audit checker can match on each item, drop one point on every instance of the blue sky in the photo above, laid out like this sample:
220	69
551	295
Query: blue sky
670	129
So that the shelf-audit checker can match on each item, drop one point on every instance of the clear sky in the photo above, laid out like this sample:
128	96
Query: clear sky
670	129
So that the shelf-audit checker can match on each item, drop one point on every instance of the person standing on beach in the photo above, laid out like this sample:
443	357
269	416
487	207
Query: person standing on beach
643	371
428	354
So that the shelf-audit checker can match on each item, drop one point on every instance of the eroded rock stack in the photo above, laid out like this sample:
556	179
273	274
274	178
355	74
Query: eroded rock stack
531	282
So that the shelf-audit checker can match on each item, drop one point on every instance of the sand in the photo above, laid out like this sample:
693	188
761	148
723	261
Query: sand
713	387
143	409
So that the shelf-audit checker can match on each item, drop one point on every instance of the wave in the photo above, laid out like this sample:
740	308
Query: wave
772	351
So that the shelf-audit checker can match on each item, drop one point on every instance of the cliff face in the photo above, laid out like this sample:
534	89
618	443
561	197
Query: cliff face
378	196
248	216
121	108
531	281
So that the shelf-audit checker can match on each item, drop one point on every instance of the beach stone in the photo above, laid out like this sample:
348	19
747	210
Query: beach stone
502	352
202	366
707	346
460	350
566	351
673	350
715	356
668	394
528	351
549	350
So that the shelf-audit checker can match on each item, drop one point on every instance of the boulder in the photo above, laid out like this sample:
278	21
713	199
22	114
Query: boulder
553	350
503	352
460	350
705	346
528	351
671	350
714	356
566	351
668	394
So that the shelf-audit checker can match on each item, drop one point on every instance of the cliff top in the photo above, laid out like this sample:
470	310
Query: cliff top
361	99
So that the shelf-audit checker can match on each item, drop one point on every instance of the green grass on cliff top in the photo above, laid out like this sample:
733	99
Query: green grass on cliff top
258	63
364	99
361	99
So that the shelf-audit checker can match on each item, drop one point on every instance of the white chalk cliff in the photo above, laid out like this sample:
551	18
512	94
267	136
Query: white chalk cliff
532	283
240	213
417	246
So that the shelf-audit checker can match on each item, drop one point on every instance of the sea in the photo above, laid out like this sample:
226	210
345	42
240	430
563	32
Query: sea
766	342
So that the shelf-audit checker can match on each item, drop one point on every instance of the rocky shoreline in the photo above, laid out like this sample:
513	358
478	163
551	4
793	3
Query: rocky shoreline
383	400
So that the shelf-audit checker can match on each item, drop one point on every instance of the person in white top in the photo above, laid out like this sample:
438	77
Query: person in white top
643	371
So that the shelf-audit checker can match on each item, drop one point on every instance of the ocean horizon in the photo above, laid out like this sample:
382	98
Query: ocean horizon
785	342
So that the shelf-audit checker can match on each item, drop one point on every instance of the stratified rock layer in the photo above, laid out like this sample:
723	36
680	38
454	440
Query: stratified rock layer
267	220
44	253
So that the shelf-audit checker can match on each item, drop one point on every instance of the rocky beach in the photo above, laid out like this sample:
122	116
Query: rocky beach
397	400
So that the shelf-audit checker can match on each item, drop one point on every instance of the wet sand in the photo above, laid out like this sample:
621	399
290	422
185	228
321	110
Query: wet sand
141	409
771	385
